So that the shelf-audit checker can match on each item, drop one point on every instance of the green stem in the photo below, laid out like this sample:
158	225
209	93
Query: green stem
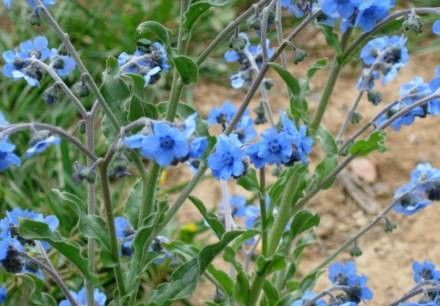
254	293
91	207
112	230
264	234
330	85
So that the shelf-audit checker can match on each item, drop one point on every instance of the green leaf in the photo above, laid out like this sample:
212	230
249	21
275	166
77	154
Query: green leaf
36	287
319	64
131	207
184	280
292	83
114	89
214	223
187	68
242	287
376	142
307	239
325	167
208	253
34	230
303	221
331	38
327	142
267	266
249	181
223	279
152	27
270	292
196	10
94	227
183	110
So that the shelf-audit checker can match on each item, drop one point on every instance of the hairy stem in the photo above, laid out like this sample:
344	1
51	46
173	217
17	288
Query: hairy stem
17	127
349	117
91	206
106	194
55	276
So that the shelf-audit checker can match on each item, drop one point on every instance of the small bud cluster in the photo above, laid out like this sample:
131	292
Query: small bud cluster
249	57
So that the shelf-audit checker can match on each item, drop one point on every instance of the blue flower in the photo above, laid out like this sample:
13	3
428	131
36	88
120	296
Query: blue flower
303	144
339	273
63	64
198	147
339	8
252	215
275	147
436	27
371	12
307	296
424	182
238	205
245	129
32	3
81	298
39	146
14	216
7	156
3	294
297	7
410	204
166	145
35	48
424	271
228	158
345	274
124	234
3	122
149	60
253	151
248	56
222	115
385	55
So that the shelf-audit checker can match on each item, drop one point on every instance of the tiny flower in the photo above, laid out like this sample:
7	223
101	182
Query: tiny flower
3	294
339	273
39	146
238	205
307	296
63	65
424	271
436	27
297	7
409	204
371	12
384	55
228	158
124	233
198	147
222	115
7	156
275	147
165	145
81	298
149	60
339	8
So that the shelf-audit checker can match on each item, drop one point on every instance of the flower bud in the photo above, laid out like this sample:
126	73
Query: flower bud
81	89
299	55
34	19
355	251
355	118
238	42
52	94
413	23
389	226
118	168
374	97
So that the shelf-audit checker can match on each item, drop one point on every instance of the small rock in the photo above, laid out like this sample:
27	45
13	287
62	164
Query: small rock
364	169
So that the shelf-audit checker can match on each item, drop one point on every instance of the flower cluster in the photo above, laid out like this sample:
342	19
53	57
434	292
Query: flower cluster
385	56
149	60
344	278
284	145
81	298
422	189
356	13
249	57
410	93
169	144
425	273
12	244
28	61
32	3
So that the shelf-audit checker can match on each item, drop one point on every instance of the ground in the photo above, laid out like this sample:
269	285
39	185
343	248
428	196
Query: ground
386	258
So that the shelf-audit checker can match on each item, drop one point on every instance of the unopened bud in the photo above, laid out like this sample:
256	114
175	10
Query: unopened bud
374	97
299	55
